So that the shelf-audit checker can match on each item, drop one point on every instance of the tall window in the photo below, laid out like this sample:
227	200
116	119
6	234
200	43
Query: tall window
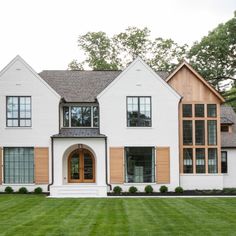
187	132
188	160
18	165
224	162
187	110
139	111
18	111
140	164
200	160
212	130
80	116
199	132
212	160
199	110
211	110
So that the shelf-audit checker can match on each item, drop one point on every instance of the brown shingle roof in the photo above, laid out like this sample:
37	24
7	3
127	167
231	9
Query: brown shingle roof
81	86
228	139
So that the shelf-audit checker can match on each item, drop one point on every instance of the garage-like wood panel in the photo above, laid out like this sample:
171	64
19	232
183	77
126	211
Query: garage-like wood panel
117	165
41	165
163	165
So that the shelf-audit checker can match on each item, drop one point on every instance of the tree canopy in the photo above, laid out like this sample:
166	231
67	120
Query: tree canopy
116	52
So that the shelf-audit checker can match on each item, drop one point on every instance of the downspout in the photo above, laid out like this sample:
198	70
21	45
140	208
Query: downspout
52	165
107	183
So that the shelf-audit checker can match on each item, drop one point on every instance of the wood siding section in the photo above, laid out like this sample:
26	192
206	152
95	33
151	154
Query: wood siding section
117	165
41	165
194	91
1	166
163	165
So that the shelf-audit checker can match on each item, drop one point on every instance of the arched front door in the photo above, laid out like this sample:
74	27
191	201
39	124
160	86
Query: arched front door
81	167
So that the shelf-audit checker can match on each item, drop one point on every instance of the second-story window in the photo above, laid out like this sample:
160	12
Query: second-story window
139	111
80	116
18	111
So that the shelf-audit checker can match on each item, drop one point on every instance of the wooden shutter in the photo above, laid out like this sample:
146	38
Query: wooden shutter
117	165
163	165
41	165
1	165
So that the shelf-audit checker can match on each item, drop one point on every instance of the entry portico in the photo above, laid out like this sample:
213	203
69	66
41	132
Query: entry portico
79	166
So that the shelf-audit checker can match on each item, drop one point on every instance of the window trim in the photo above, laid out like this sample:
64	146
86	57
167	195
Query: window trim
154	166
127	97
18	117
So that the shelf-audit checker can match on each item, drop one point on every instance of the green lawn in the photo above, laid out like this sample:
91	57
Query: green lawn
37	215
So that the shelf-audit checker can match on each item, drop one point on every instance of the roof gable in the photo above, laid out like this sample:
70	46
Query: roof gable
155	74
29	68
198	76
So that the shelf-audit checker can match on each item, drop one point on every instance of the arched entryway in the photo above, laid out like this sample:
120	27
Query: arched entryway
81	166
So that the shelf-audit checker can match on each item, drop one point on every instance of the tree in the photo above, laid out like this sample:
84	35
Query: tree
99	51
132	43
104	53
214	57
166	54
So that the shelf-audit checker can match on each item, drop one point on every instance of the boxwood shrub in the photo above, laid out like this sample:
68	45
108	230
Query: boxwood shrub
163	189
117	190
38	190
133	189
9	189
148	189
179	190
23	190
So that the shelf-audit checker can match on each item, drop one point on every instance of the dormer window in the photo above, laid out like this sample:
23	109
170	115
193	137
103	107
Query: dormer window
80	116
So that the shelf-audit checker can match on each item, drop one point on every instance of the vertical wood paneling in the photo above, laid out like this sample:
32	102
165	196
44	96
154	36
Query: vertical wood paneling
41	165
163	165
117	165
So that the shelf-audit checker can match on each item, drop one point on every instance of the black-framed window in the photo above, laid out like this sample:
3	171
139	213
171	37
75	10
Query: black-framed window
224	162
212	160
187	132
212	132
211	110
95	116
188	160
199	132
18	165
200	161
187	110
139	112
66	116
18	110
199	110
140	164
80	116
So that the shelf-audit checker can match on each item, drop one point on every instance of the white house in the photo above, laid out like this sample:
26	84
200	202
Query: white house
80	133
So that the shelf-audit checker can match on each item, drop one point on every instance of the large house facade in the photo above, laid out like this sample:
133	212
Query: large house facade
80	133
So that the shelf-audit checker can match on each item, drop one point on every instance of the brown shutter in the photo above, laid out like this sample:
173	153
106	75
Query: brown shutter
41	165
1	165
117	165
163	165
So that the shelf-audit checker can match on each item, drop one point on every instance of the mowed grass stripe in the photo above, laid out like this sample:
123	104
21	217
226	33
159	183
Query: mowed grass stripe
37	215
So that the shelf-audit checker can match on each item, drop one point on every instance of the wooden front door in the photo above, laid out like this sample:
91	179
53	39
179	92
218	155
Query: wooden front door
81	167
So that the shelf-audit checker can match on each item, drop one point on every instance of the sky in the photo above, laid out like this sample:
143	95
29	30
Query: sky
45	32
